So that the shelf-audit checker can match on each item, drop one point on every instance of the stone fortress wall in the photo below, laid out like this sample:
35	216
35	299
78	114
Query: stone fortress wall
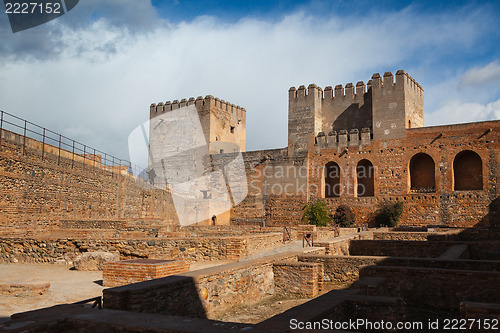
447	175
42	186
368	143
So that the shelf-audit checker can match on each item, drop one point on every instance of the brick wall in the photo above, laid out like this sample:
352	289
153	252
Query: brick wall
123	272
298	279
390	159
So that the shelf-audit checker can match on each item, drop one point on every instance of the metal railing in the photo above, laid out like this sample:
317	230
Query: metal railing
65	147
287	234
95	302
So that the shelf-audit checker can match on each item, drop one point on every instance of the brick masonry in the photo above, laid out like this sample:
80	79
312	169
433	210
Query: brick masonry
123	272
298	279
27	289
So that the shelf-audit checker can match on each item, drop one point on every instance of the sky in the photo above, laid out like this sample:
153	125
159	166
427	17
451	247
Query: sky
92	73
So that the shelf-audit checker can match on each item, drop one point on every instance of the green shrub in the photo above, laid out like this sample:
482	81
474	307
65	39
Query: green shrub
388	213
344	216
317	213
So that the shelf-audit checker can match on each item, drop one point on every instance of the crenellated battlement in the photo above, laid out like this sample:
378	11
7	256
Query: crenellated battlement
351	92
387	105
343	138
402	78
199	102
221	121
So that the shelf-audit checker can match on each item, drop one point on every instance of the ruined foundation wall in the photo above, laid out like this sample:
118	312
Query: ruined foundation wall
195	249
203	293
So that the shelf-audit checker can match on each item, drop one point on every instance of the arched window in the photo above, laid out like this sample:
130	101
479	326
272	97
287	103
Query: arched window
422	176
468	171
332	180
365	174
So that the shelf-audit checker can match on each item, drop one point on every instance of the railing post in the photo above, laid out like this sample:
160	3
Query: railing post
1	130
95	157
73	157
43	144
59	153
24	138
84	149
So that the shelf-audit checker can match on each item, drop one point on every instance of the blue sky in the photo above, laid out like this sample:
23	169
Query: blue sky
92	73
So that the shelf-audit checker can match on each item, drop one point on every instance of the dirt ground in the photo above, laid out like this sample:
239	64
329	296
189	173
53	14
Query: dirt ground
69	286
66	285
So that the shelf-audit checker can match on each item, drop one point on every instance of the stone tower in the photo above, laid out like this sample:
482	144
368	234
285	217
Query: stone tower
223	123
382	107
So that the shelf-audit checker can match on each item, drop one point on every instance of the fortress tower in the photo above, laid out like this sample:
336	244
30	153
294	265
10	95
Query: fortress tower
191	144
223	123
381	109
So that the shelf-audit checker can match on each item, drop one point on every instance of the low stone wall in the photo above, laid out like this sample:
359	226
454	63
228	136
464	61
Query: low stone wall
258	243
345	269
124	272
431	287
341	269
193	249
202	293
416	236
340	245
393	248
335	247
298	279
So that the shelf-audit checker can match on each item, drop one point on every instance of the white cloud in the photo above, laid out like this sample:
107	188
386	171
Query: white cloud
456	112
104	76
482	75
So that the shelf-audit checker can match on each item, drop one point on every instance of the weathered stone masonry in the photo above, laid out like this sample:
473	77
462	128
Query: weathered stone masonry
361	145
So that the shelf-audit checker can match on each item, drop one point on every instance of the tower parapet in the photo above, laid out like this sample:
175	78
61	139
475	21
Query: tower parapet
386	106
221	121
343	139
397	105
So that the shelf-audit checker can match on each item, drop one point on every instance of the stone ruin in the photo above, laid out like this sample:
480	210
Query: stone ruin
441	263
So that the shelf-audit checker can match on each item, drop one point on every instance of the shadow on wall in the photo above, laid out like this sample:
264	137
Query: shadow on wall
173	295
494	213
354	116
492	218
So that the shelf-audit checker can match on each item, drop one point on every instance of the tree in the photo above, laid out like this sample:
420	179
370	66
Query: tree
317	213
344	216
389	213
